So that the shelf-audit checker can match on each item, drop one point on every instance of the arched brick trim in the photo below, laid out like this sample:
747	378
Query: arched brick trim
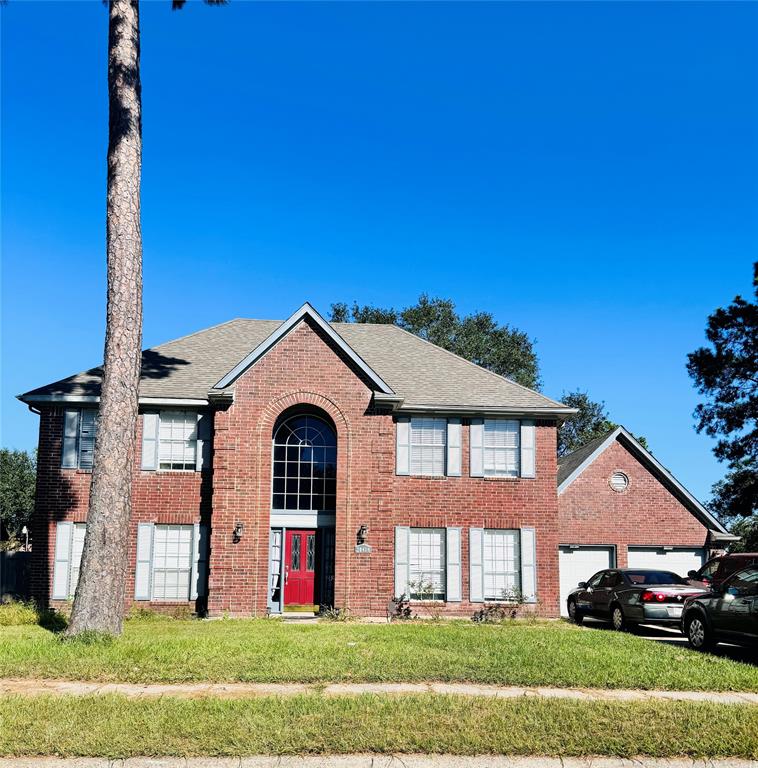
342	518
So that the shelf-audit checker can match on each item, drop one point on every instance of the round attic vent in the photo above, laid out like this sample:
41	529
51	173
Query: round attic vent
619	482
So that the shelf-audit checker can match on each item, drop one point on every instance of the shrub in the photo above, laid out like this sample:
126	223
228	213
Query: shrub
330	613
399	609
513	607
15	613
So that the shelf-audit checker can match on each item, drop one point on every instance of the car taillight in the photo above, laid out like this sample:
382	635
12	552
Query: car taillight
653	597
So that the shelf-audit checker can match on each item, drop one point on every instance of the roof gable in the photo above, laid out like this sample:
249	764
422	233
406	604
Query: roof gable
573	464
305	312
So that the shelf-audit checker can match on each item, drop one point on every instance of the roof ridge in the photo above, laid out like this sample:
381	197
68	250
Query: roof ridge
478	367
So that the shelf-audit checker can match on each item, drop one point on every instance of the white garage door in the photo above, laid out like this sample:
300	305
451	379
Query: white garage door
677	560
579	564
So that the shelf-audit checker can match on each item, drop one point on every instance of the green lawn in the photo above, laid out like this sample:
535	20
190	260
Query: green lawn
116	727
553	654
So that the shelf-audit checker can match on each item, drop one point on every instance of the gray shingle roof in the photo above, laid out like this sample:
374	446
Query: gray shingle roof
418	371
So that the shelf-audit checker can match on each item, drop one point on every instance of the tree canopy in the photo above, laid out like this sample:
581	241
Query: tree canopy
478	337
725	372
591	421
18	473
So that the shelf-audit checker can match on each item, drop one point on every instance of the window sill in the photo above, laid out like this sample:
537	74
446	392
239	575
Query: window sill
506	478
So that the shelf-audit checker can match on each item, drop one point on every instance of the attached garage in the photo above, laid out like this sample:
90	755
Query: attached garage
680	560
579	563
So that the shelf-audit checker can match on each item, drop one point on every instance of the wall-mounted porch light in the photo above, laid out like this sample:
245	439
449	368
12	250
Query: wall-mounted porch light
237	532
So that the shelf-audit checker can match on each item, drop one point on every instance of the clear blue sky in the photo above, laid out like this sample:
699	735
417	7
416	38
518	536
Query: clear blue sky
586	172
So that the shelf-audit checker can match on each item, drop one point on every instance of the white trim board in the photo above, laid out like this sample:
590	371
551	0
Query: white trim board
648	460
306	311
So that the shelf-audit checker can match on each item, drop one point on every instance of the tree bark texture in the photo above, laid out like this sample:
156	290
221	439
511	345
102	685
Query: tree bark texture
99	599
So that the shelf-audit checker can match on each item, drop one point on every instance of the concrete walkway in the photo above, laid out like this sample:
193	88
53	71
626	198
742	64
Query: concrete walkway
246	690
375	761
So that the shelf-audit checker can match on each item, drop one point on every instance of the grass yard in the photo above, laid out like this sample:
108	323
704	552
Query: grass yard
116	727
549	654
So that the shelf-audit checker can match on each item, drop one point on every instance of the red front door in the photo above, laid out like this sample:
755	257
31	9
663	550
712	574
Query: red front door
300	568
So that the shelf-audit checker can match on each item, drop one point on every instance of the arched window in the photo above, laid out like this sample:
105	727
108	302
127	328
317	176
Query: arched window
305	465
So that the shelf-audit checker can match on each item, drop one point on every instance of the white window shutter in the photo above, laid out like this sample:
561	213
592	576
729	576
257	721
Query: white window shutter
150	426
70	452
527	448
476	448
453	588
403	447
402	544
199	575
454	447
529	565
143	573
476	564
204	440
63	534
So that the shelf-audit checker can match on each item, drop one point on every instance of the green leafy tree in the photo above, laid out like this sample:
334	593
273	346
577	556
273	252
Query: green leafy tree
18	472
477	337
590	422
726	373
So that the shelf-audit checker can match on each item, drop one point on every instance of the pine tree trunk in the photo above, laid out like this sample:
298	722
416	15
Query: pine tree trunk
99	600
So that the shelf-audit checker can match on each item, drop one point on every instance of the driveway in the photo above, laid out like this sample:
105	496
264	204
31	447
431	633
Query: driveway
674	637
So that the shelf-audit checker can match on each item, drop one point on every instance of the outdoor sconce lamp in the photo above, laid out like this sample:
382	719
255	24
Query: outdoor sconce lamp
362	534
237	532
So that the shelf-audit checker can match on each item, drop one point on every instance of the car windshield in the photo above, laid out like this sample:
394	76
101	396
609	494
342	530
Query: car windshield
654	577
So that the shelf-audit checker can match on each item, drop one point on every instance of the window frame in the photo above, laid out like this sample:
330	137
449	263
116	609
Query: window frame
418	573
415	446
71	584
517	560
188	414
168	527
87	466
488	427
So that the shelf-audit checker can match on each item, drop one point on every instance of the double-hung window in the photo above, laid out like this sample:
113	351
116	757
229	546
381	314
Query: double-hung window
502	567
428	440
178	440
426	564
172	562
501	447
79	428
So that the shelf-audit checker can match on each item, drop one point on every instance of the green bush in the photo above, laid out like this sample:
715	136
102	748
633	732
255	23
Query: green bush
16	613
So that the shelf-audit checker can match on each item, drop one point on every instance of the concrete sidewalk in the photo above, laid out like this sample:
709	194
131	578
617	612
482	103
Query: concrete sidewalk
247	690
376	761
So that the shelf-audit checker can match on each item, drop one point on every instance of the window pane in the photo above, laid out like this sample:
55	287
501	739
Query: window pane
501	447
172	562
502	569
428	440
310	555
309	446
427	564
295	553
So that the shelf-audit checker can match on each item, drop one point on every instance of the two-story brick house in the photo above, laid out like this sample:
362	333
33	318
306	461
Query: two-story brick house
287	465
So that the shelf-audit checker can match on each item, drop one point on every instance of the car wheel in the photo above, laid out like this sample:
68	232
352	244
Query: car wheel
575	614
617	618
698	634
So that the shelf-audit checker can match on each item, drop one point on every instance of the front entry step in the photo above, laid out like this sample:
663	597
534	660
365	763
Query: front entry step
295	617
310	608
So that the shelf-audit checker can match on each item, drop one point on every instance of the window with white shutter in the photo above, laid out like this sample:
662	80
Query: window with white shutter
501	447
79	429
172	562
178	440
426	564
501	562
428	440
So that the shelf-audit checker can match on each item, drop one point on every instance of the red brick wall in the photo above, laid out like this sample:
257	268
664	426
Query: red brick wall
63	495
304	369
591	512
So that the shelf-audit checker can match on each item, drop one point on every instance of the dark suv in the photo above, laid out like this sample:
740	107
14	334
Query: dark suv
728	613
718	569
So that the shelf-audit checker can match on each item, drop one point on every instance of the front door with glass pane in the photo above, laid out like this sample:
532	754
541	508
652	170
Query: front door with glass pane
300	568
